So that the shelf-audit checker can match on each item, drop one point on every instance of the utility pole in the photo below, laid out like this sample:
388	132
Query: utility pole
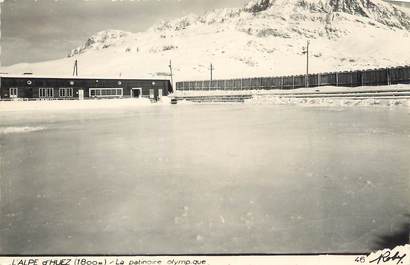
306	51
211	69
75	70
170	71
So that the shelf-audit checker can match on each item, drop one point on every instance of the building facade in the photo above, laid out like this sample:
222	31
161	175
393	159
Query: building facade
31	87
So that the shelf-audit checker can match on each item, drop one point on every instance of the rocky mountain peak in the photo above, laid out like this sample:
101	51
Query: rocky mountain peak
100	40
378	10
255	6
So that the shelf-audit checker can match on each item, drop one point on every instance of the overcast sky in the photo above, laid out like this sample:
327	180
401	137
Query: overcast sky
39	30
47	29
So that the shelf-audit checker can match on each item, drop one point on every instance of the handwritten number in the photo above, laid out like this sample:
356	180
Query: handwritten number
360	259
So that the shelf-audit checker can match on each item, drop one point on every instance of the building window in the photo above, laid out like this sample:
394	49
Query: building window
65	92
13	92
46	92
106	92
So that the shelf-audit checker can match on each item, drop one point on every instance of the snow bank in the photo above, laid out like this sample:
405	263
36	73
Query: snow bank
64	105
276	100
25	129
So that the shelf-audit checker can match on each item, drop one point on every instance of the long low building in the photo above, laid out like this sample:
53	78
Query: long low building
34	87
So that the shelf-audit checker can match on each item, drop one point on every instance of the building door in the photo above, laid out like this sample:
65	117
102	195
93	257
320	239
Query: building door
136	92
81	94
159	93
152	93
13	92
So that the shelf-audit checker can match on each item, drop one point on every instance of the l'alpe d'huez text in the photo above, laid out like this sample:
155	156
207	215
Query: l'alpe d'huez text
263	38
30	261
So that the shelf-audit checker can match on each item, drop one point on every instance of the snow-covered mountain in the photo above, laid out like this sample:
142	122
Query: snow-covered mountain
264	38
402	3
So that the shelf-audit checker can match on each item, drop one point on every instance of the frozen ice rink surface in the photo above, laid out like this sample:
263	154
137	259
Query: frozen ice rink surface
202	179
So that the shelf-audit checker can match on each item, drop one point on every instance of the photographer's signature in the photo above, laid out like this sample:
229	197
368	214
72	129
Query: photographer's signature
385	257
388	256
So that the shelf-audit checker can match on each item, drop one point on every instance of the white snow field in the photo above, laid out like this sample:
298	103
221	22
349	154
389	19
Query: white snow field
264	38
203	179
66	105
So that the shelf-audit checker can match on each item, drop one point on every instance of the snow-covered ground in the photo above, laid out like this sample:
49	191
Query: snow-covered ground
265	38
64	105
322	102
203	179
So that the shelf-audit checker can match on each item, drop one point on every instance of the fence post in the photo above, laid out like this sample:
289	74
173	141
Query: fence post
337	79
361	79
